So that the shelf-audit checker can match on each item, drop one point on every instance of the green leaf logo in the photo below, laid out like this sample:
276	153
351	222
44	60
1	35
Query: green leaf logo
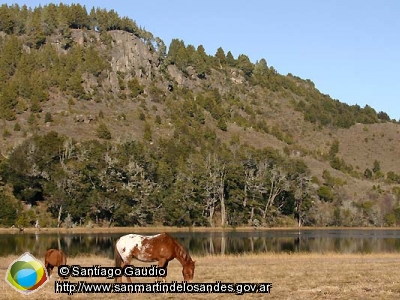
26	274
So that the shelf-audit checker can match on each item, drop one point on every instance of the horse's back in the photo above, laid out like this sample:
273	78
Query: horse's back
49	255
142	247
55	257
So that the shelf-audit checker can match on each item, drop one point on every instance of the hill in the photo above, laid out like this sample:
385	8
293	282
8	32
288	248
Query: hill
102	123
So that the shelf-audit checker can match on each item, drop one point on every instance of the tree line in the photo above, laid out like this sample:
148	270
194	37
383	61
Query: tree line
134	184
167	183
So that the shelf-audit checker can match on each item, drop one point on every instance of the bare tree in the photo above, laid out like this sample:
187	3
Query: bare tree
278	182
255	185
142	187
301	191
214	188
66	152
265	179
59	217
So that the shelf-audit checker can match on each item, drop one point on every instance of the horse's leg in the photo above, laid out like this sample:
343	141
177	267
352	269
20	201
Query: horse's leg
48	269
162	263
119	279
128	279
129	263
123	264
165	266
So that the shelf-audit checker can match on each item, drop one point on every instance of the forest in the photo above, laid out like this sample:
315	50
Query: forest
181	168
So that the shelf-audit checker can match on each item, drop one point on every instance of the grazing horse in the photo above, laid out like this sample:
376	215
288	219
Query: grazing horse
160	247
54	258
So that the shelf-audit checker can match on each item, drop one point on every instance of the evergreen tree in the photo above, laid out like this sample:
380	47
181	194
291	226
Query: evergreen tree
6	20
49	19
377	167
243	63
230	60
260	74
78	17
11	50
220	56
36	37
176	48
8	100
21	15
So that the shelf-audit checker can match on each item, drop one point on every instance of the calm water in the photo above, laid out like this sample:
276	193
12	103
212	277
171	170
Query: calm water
201	243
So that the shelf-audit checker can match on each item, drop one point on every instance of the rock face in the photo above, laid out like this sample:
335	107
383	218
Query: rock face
130	54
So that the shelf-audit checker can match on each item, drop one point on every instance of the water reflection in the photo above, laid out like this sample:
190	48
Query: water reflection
202	243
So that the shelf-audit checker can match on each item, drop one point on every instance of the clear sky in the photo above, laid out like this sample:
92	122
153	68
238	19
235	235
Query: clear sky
350	49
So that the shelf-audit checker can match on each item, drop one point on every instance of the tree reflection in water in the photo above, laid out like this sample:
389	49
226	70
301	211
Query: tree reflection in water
213	243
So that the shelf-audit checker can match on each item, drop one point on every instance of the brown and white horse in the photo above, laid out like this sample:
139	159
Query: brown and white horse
54	258
160	247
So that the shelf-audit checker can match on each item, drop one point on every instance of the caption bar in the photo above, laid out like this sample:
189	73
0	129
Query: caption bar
111	272
70	288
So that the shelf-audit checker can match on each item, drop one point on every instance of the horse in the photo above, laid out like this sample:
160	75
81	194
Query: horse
54	258
160	247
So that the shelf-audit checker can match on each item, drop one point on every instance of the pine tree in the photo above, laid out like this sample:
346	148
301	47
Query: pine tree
49	19
8	100
10	55
6	21
220	55
243	63
36	37
230	60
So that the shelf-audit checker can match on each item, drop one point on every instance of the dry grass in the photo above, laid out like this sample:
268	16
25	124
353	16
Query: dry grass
362	144
294	276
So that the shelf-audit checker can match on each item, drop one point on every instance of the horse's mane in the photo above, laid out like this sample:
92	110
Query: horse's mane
181	252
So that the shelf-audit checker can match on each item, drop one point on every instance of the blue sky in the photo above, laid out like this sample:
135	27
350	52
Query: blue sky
350	49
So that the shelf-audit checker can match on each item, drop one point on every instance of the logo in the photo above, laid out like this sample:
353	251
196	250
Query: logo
26	274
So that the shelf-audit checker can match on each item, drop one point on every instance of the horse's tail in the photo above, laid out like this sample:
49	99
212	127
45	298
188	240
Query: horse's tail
117	258
47	264
48	270
63	258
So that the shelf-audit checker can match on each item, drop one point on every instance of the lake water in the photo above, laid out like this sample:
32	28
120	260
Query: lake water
203	243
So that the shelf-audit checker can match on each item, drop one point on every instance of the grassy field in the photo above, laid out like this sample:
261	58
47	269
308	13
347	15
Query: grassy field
293	276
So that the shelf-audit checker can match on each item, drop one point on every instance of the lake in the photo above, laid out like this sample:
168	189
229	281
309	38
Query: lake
204	243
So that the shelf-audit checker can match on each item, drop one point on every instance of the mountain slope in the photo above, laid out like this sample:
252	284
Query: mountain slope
133	134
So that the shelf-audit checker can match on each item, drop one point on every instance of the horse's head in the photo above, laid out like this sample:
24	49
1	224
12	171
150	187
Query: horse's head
188	271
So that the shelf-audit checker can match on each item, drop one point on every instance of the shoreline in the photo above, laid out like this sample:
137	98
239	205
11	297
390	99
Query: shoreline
158	229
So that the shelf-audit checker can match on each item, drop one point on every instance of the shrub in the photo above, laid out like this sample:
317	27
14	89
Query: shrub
103	132
325	193
48	117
